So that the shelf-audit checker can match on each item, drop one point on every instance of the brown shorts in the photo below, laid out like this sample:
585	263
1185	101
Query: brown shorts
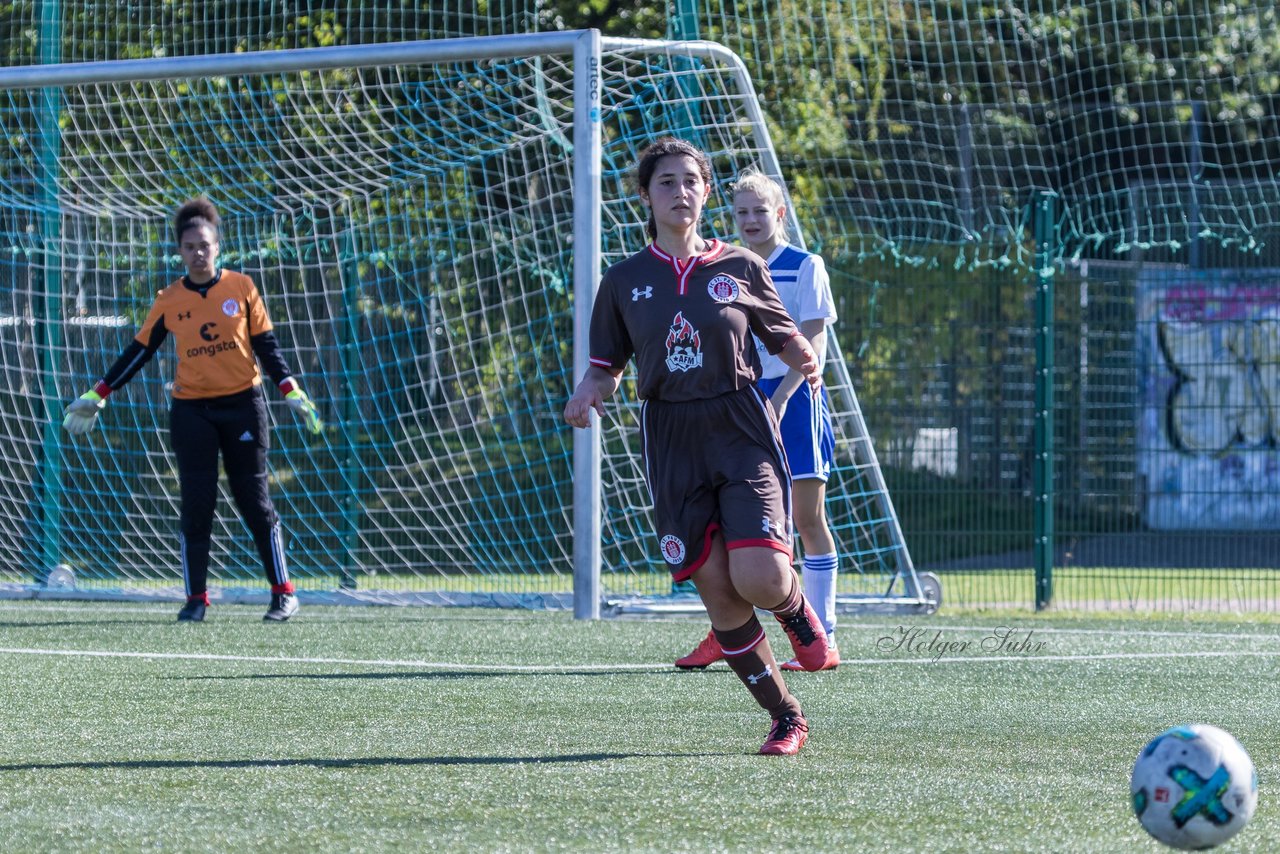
713	465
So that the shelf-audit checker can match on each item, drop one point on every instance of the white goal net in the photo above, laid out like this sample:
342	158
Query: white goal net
422	220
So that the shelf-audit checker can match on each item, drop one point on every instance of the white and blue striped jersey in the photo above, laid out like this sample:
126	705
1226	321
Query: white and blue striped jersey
805	288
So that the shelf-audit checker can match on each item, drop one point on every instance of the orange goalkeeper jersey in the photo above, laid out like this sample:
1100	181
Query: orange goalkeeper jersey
212	332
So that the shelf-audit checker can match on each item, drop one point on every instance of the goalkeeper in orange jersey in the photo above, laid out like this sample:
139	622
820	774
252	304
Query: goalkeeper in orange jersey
222	331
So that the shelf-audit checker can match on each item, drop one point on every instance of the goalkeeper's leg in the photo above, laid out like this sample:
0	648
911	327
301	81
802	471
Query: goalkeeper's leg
195	444
245	461
254	502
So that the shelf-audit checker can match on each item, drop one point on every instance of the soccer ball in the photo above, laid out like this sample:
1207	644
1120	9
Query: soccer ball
1194	787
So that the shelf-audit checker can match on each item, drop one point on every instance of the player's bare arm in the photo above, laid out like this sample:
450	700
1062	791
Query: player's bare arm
597	386
799	355
816	332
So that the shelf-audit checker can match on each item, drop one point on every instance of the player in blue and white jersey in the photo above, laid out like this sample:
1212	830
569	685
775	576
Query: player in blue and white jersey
759	209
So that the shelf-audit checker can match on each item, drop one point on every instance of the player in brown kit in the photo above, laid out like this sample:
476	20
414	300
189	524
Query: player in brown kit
222	331
808	435
685	308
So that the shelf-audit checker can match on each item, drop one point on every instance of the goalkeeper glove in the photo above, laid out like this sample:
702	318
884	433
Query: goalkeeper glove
302	406
82	413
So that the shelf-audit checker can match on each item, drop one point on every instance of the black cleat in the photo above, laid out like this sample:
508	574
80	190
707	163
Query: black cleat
283	606
192	612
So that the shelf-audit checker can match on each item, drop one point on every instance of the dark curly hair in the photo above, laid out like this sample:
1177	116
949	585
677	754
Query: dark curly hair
195	213
658	149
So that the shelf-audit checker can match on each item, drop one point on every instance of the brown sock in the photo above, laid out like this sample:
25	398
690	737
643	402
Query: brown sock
793	603
747	652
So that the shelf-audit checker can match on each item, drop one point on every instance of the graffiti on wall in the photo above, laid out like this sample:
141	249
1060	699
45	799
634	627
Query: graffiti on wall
1210	422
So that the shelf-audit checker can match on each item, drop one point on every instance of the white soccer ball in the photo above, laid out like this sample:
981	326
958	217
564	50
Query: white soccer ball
61	577
1194	787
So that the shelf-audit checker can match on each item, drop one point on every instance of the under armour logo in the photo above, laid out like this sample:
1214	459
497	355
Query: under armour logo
768	671
778	529
184	315
637	294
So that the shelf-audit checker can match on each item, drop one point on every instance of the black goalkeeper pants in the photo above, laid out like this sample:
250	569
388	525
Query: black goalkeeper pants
234	427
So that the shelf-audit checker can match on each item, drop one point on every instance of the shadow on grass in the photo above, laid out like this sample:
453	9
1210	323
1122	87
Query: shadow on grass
360	762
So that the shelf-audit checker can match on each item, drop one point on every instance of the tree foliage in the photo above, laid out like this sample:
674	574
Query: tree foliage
901	126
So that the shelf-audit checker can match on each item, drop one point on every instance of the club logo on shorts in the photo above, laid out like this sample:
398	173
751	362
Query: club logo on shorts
684	345
231	308
723	289
672	549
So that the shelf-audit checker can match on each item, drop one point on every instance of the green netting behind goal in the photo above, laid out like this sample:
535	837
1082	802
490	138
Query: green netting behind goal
411	228
912	138
916	136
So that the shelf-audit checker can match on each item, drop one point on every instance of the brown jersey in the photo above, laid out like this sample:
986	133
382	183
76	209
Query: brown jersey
689	325
212	331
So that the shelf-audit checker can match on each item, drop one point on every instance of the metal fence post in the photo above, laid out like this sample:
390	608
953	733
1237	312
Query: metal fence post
1044	215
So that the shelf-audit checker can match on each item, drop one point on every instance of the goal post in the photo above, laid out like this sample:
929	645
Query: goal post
587	504
862	513
428	222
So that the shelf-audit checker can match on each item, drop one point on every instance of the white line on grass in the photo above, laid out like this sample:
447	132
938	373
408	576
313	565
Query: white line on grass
355	662
974	659
1191	630
97	607
593	668
330	613
347	612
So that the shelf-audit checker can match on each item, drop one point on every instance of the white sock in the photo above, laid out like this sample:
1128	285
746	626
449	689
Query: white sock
819	575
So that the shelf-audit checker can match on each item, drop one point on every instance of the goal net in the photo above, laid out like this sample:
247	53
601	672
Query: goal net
413	215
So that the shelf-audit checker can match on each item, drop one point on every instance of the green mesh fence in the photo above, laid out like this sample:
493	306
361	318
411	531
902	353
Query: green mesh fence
913	138
917	135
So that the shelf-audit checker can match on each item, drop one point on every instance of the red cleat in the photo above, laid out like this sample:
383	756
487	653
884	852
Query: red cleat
832	662
808	638
788	735
705	653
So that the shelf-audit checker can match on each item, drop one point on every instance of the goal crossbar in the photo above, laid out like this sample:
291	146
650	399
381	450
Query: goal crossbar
423	51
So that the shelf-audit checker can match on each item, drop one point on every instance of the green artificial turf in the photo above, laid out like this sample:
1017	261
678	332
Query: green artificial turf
397	729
